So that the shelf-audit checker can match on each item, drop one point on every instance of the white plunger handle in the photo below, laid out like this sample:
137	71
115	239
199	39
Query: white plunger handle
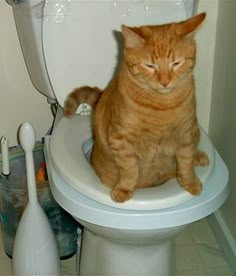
27	140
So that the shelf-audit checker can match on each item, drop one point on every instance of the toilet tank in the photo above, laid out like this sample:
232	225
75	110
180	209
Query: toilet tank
30	17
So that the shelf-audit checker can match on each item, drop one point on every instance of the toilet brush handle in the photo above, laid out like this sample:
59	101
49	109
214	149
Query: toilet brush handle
32	192
27	140
5	157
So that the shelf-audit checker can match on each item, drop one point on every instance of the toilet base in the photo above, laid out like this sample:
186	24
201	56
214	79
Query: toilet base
102	256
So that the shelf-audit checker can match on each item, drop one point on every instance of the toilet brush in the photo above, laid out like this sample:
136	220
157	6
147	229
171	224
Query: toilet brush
35	250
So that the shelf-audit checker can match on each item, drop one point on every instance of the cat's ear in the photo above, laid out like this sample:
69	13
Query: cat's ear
132	38
190	26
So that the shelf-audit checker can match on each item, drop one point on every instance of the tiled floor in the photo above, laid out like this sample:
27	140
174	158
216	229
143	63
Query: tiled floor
197	254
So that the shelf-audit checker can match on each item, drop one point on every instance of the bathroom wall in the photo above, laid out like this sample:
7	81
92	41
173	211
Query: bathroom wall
222	124
19	100
205	60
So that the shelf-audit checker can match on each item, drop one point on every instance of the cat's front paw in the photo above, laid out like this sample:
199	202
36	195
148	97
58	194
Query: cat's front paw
121	195
193	186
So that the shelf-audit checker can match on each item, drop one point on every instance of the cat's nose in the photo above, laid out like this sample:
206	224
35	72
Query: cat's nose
164	80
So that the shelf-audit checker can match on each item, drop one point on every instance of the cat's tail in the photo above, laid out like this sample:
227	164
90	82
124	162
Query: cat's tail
84	94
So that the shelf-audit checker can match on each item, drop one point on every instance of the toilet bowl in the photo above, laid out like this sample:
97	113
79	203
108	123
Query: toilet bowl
134	231
132	238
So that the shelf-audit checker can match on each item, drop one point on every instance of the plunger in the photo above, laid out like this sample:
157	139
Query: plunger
35	250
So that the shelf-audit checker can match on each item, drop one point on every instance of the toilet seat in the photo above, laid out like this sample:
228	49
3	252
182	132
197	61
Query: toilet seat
71	139
78	205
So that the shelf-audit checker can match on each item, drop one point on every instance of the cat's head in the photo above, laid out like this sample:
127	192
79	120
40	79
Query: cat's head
161	56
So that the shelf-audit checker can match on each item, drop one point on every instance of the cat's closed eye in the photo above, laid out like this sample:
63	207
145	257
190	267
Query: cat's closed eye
176	63
151	65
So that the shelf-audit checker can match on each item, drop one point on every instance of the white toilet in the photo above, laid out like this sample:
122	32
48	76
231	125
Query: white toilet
69	43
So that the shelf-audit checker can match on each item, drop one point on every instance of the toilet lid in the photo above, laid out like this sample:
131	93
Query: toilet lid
71	138
75	31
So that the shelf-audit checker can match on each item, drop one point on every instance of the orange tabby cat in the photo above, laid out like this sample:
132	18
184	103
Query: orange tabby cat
145	126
